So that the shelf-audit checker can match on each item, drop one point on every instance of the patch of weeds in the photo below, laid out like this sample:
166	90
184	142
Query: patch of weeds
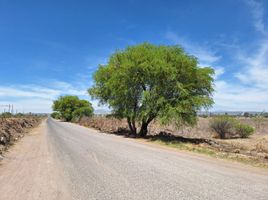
249	160
186	146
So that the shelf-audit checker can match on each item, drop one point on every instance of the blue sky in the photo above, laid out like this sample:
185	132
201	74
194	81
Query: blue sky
52	48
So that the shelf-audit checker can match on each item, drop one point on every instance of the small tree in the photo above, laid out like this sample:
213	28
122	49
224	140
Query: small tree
145	82
246	114
67	105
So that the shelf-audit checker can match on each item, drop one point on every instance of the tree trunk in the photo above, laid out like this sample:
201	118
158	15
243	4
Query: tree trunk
134	127
144	126
144	129
131	126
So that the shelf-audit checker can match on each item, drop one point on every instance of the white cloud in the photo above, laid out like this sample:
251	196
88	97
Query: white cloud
38	98
257	11
236	97
204	54
256	64
250	92
218	72
34	105
255	71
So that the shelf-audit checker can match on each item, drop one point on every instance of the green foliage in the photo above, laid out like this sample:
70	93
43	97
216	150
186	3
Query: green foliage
246	114
67	105
244	130
82	112
56	115
265	115
148	81
227	127
6	115
19	115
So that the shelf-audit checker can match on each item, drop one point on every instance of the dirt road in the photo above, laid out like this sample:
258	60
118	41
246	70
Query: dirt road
66	161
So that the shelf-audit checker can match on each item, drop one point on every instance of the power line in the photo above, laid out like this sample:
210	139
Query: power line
9	106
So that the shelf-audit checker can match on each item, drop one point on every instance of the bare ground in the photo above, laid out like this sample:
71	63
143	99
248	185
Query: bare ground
28	170
12	129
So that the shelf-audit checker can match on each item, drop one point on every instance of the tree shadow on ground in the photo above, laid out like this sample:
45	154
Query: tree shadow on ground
162	136
168	137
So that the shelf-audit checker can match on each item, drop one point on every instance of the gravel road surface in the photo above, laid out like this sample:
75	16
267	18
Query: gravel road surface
65	161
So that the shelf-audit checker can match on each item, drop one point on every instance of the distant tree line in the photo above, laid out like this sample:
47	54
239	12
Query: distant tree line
10	115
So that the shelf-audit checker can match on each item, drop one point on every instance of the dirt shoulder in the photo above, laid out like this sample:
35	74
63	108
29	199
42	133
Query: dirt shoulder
12	129
29	170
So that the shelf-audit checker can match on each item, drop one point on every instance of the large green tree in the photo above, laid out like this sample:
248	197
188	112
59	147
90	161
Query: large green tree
146	81
71	107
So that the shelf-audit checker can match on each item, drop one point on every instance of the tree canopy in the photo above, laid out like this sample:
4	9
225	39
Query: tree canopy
71	108
146	81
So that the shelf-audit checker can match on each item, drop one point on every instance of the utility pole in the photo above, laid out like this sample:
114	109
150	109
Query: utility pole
5	106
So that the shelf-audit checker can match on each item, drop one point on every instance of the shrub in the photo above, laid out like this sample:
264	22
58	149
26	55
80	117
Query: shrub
246	114
227	127
6	115
258	120
244	130
19	115
223	125
82	112
55	115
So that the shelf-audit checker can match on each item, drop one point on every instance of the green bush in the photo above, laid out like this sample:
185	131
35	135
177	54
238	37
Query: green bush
55	115
229	127
82	112
244	130
19	115
223	125
6	115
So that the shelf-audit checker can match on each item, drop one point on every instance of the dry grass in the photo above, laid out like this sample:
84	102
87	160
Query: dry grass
201	130
208	150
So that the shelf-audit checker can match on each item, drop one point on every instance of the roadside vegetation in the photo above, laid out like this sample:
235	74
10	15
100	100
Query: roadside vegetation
209	150
71	108
229	127
6	115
